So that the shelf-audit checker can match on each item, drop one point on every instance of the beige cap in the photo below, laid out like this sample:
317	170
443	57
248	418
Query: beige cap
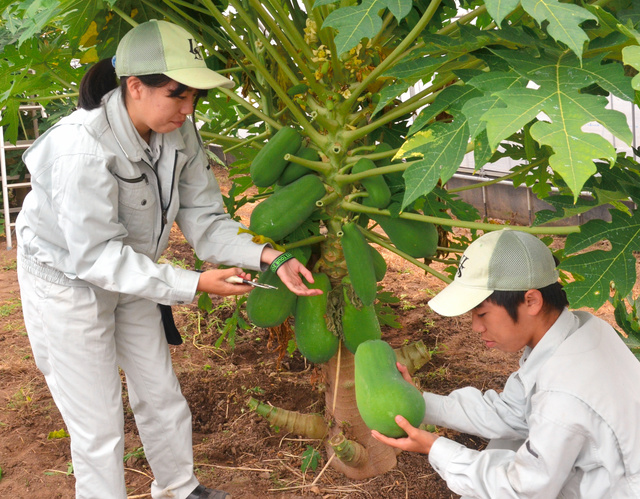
159	47
504	260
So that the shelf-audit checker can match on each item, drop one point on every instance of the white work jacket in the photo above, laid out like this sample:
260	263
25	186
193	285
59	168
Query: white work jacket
100	210
575	402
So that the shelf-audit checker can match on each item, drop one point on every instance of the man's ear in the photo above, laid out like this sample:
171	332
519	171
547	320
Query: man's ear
533	301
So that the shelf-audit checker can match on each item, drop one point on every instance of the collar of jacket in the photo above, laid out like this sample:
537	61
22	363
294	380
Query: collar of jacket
126	134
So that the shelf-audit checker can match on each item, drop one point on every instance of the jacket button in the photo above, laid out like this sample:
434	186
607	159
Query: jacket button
144	201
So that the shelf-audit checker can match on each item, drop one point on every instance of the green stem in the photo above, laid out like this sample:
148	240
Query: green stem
309	241
283	66
248	141
39	98
385	22
235	97
350	178
221	138
123	15
316	166
283	37
416	102
291	30
393	57
378	240
487	227
511	175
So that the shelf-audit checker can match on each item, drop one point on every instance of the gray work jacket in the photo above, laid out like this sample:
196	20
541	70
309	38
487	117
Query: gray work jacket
576	405
100	211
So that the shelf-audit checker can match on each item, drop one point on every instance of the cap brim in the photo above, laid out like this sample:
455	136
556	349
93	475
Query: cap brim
457	299
200	78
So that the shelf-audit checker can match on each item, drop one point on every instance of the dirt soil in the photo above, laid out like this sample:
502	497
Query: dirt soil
235	449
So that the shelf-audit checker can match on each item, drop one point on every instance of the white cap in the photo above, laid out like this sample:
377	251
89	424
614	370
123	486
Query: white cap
504	260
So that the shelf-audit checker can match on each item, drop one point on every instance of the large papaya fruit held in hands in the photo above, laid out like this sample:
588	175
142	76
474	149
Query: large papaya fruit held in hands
381	391
359	260
269	163
315	342
270	307
284	211
417	239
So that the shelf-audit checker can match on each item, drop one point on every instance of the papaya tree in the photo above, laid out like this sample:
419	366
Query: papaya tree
350	117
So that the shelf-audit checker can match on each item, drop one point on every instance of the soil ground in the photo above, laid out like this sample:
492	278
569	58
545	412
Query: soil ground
235	449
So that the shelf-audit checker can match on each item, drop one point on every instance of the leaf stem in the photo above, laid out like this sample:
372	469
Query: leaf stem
378	240
394	56
316	166
569	229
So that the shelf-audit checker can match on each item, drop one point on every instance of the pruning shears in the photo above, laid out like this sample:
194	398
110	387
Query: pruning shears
234	279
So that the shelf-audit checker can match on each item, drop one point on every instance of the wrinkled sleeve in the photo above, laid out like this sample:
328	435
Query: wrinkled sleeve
487	415
85	197
203	220
538	469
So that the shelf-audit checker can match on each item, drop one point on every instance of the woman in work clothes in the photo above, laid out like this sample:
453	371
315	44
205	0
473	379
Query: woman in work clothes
108	182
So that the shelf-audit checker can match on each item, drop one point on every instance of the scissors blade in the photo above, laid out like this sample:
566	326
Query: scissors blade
238	280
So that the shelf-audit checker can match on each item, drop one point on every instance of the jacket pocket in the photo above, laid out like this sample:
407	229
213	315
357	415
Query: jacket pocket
137	211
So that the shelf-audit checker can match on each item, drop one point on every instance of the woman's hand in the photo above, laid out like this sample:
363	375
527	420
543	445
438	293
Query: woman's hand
213	281
289	273
416	440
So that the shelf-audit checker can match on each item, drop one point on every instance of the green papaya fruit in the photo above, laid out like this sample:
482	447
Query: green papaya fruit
379	195
381	391
315	342
284	211
417	239
269	163
358	325
270	307
359	260
379	264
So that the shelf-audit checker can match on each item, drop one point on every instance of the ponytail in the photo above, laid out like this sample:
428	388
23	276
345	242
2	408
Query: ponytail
98	81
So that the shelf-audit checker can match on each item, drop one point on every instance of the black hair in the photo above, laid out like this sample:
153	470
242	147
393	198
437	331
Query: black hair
554	297
101	78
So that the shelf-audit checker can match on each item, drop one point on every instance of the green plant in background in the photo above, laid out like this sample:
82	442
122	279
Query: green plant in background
497	78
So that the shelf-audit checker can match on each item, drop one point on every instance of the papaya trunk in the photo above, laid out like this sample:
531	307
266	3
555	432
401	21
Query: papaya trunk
341	408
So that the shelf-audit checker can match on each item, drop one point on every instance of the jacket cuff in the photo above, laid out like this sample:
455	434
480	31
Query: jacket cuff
184	289
433	410
442	453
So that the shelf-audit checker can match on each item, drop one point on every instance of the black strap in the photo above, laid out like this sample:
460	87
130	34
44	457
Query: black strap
170	330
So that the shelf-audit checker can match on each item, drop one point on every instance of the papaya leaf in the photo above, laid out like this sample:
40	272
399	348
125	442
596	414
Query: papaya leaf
564	21
631	56
354	23
388	94
499	9
441	148
558	96
451	99
597	269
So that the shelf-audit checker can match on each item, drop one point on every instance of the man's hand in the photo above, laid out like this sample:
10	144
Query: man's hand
416	440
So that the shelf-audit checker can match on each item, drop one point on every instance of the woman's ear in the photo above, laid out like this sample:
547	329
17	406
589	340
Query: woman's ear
533	301
134	87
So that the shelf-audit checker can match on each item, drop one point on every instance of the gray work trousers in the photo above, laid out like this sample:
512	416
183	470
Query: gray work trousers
80	335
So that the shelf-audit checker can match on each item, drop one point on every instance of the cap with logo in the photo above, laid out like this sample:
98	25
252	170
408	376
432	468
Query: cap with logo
160	47
504	260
